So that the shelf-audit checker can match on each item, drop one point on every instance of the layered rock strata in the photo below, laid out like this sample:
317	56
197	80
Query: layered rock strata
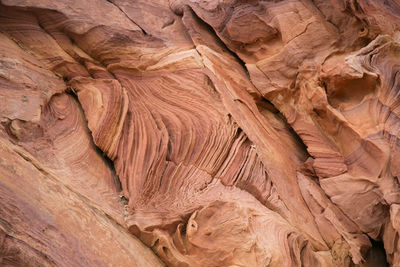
199	133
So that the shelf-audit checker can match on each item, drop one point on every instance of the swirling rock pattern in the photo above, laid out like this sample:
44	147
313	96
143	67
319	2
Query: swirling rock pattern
199	133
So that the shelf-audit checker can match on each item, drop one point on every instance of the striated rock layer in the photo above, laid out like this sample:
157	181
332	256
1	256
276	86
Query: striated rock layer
199	133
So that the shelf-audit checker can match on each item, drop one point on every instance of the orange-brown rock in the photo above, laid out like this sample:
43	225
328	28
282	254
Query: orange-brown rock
199	133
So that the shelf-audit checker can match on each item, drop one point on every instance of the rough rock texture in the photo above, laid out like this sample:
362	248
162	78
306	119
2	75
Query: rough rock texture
199	133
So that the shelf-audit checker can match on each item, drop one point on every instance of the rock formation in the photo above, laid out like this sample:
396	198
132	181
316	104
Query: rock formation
199	133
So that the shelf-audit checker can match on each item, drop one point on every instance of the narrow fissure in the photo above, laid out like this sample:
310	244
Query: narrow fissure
117	180
263	102
221	43
112	2
106	159
268	105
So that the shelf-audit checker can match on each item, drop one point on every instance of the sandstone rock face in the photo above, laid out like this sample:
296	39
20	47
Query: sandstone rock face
199	133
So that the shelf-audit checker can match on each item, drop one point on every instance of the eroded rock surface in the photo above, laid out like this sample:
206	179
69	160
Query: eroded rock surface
199	133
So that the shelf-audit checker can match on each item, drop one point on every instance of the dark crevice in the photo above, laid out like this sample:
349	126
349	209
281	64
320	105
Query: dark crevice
263	103
143	31
109	163
106	159
376	256
268	105
72	93
221	42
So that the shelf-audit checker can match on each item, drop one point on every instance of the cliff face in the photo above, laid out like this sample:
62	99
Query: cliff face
199	133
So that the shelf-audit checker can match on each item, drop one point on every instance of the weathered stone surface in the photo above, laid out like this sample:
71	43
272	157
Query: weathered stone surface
199	133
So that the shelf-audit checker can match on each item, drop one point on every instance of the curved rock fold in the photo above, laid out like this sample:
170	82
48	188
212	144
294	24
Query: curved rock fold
199	133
